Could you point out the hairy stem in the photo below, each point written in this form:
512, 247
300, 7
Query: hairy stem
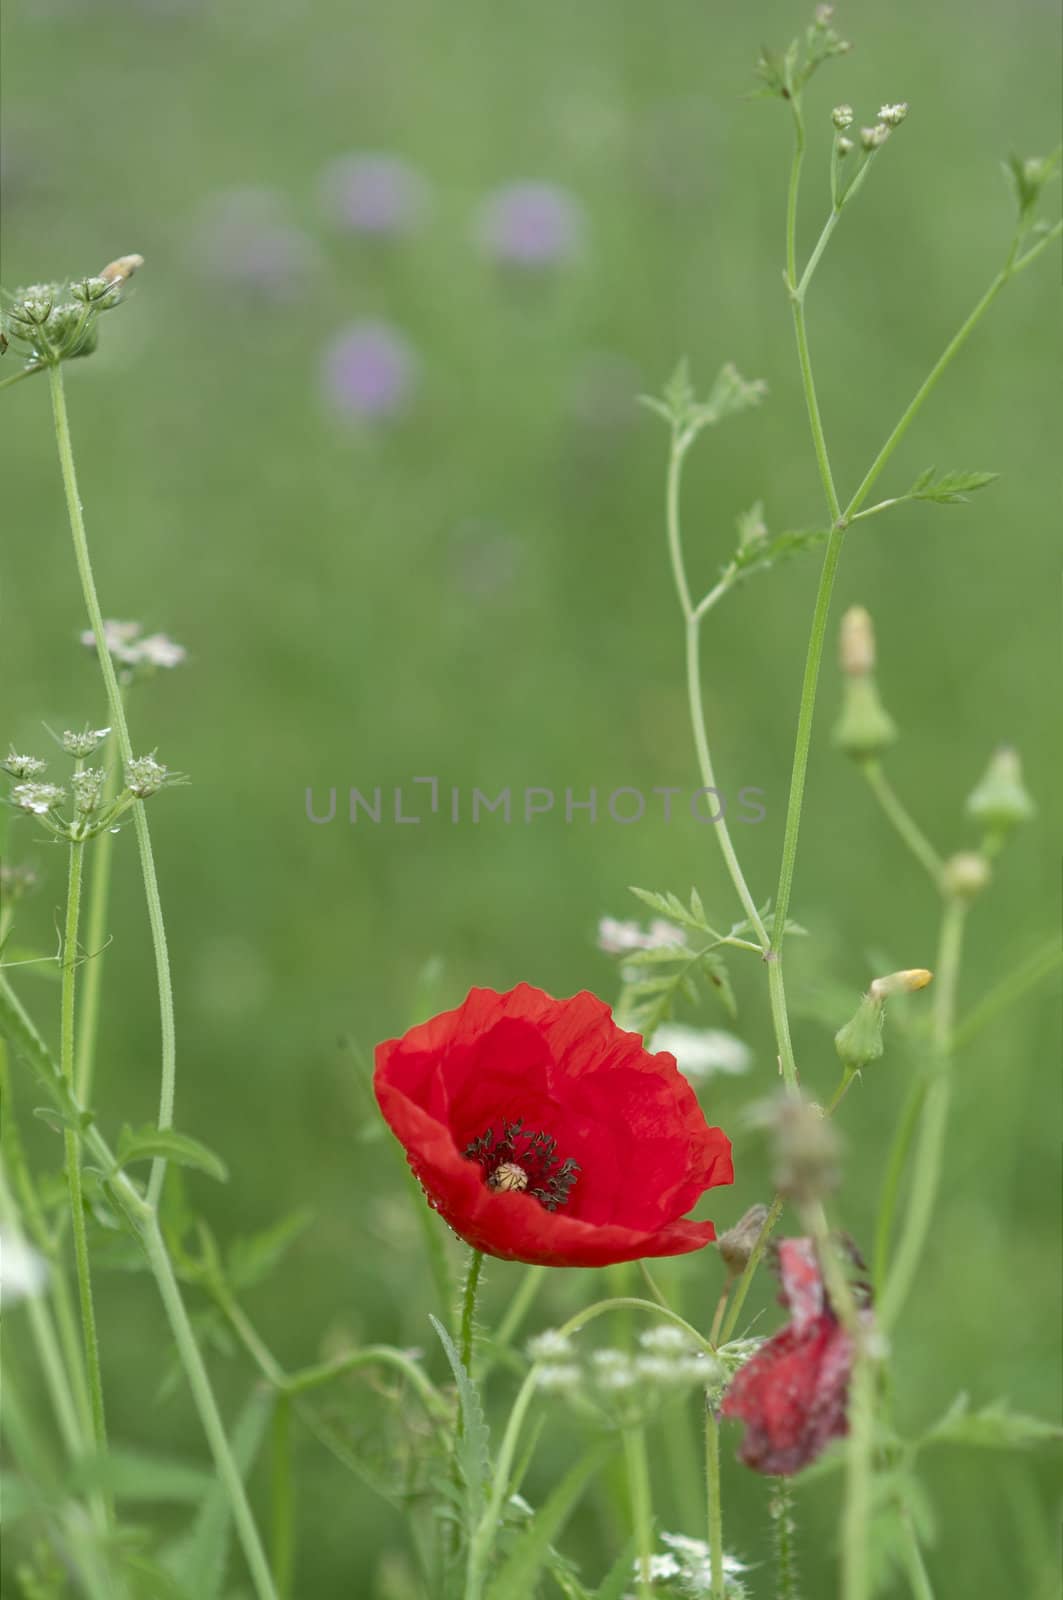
468, 1308
638, 1478
95, 939
121, 727
715, 1502
72, 1147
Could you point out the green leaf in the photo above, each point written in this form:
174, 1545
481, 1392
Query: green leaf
951, 489
254, 1258
720, 978
1028, 177
37, 963
58, 1121
757, 555
200, 1557
672, 909
992, 1428
617, 1580
130, 1475
473, 1454
144, 1144
517, 1575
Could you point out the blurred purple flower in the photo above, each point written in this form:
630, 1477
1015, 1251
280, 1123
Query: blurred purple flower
369, 371
245, 242
374, 194
531, 225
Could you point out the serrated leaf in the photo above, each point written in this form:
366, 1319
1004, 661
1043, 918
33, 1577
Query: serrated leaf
148, 1142
254, 1258
198, 1560
517, 1576
721, 980
473, 1448
951, 489
672, 909
993, 1428
760, 554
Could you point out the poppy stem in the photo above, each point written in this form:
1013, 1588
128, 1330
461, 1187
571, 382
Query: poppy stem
715, 1501
638, 1476
468, 1308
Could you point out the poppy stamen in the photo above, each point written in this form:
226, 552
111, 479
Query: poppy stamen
521, 1160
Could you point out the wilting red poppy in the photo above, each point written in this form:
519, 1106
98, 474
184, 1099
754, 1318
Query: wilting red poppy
792, 1394
542, 1132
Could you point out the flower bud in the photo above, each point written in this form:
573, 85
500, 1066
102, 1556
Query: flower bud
865, 728
842, 117
856, 643
843, 146
122, 270
906, 982
1000, 799
737, 1244
966, 874
872, 138
37, 798
860, 1040
893, 116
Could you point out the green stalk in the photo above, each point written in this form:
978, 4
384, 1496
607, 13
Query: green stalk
742, 1287
20, 1029
206, 1405
891, 1183
73, 1161
903, 822
95, 940
856, 1581
926, 1175
715, 1502
468, 1308
283, 1498
638, 1477
121, 728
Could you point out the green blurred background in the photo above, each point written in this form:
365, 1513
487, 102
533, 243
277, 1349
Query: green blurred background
480, 591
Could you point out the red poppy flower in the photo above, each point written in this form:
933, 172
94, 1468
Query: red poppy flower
542, 1132
792, 1394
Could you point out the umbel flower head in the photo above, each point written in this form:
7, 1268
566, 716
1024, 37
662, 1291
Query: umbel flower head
542, 1132
792, 1394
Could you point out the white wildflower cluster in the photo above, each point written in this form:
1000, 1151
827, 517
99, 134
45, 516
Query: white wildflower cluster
88, 789
618, 938
80, 745
24, 766
620, 1387
685, 1568
842, 117
145, 776
23, 1270
38, 799
703, 1052
131, 648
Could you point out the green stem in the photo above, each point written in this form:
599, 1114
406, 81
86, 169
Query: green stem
95, 940
206, 1405
715, 1502
692, 619
73, 1160
519, 1306
638, 1477
283, 1498
857, 1509
1044, 961
926, 1174
903, 823
912, 1556
121, 728
17, 377
468, 1308
891, 1183
926, 388
742, 1287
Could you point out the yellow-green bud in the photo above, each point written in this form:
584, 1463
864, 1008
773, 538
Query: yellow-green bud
966, 874
865, 728
1000, 799
905, 982
860, 1040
